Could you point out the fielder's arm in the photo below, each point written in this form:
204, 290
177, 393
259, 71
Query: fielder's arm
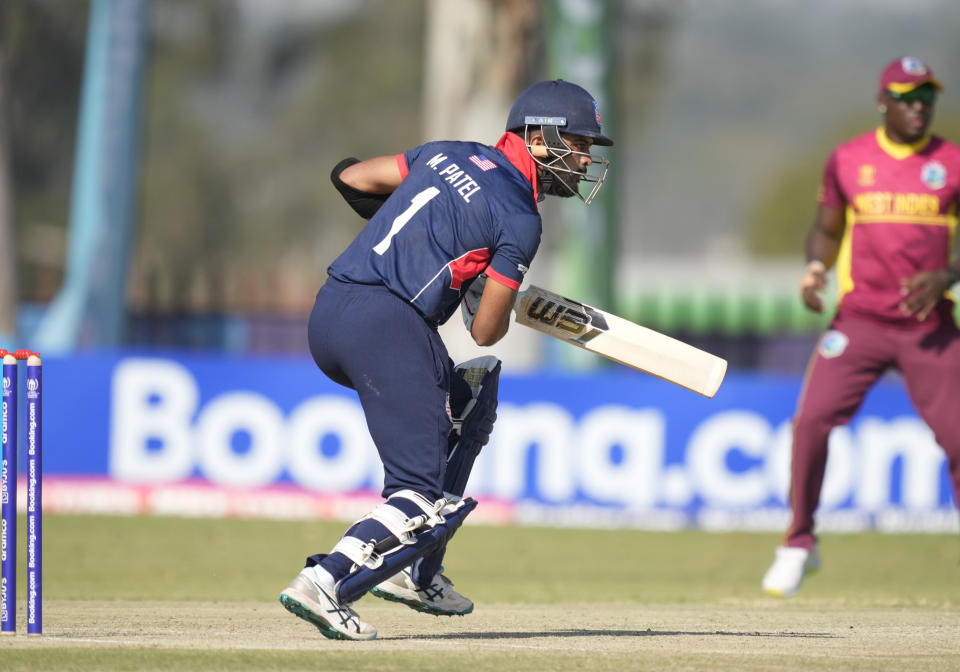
823, 245
925, 289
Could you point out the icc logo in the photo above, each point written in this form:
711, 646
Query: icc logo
6, 383
32, 385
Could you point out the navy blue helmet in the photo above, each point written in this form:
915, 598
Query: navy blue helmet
555, 108
558, 103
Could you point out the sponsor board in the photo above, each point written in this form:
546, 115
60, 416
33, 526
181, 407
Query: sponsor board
616, 448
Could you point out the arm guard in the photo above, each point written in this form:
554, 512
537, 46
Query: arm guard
364, 204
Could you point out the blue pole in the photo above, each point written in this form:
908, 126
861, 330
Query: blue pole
8, 499
90, 307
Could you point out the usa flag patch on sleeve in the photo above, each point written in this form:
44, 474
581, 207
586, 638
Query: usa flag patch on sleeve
482, 162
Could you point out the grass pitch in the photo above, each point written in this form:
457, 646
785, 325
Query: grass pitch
183, 594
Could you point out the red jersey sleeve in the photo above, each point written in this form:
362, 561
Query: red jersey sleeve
402, 165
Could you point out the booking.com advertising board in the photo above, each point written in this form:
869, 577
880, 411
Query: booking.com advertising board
197, 435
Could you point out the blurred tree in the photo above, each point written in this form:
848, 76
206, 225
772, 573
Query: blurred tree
9, 261
785, 207
43, 44
642, 35
247, 113
499, 52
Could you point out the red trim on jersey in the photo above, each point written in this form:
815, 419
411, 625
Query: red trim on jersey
502, 279
468, 267
402, 165
515, 149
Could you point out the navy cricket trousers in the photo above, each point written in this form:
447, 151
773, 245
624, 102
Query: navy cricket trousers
367, 338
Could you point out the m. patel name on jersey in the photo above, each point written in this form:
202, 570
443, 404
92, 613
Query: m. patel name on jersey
460, 180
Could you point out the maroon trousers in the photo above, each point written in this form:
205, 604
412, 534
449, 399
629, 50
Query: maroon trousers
849, 359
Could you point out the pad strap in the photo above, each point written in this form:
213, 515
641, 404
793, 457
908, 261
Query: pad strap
360, 553
364, 577
399, 524
432, 511
366, 546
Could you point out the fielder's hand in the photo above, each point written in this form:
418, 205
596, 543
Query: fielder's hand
471, 301
923, 291
814, 281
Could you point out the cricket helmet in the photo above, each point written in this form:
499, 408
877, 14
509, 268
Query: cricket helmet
554, 107
558, 103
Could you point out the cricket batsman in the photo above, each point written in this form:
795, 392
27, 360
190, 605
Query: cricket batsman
440, 215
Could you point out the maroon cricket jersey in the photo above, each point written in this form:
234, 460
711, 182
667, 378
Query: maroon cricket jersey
900, 205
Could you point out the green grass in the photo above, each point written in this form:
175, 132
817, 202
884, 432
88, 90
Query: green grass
666, 601
152, 558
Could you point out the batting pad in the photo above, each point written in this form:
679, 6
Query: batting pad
353, 586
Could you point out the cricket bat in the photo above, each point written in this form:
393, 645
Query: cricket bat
620, 340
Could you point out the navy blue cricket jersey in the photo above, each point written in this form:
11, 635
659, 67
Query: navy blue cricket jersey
463, 208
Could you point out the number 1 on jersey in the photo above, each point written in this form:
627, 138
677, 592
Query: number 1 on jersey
401, 220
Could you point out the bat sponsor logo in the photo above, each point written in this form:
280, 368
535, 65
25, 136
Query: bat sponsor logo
579, 323
620, 340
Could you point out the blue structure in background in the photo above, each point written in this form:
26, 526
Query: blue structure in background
91, 306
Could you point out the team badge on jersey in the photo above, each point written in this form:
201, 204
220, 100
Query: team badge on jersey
934, 175
867, 175
833, 344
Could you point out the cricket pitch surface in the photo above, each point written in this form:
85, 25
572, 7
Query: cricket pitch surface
742, 635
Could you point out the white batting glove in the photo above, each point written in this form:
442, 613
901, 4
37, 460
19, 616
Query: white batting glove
471, 301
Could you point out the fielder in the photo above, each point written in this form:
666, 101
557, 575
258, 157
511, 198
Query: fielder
887, 220
440, 215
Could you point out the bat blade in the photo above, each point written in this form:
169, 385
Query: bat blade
620, 340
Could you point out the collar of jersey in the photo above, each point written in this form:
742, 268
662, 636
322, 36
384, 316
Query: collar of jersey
898, 151
515, 149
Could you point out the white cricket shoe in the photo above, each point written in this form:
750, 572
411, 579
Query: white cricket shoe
790, 566
439, 598
312, 597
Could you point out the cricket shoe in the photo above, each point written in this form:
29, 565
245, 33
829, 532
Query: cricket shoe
312, 597
438, 598
790, 566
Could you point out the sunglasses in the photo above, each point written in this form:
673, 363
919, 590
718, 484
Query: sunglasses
926, 94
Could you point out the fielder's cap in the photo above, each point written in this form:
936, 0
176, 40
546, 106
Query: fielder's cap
558, 103
906, 74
